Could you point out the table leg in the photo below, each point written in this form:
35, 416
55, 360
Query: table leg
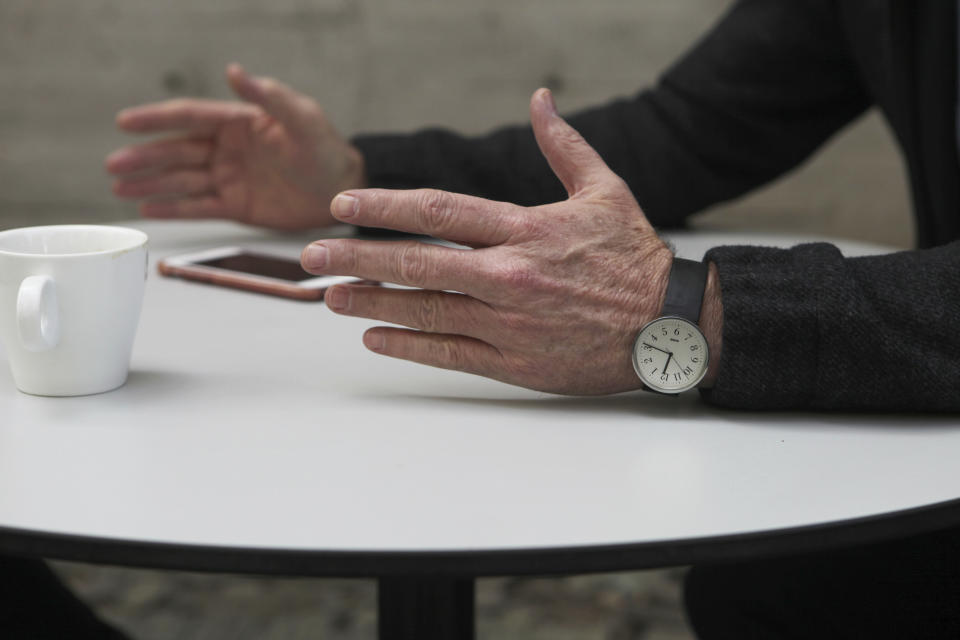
425, 608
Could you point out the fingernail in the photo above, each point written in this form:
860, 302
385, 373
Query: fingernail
548, 98
344, 206
315, 257
374, 340
338, 298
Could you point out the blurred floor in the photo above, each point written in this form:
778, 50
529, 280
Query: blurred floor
156, 605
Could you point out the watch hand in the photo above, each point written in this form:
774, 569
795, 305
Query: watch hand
653, 347
667, 363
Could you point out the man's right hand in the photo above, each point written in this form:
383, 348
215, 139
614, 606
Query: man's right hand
273, 160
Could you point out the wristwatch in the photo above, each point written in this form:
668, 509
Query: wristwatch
670, 354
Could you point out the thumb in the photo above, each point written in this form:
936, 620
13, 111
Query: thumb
293, 109
573, 160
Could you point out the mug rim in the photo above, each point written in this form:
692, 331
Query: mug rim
140, 237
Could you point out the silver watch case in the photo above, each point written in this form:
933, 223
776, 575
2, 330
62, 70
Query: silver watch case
693, 381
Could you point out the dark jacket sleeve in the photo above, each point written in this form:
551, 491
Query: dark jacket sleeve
808, 328
750, 101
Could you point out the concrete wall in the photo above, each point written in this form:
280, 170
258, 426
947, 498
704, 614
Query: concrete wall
67, 66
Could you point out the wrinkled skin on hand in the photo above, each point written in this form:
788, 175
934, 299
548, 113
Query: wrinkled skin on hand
550, 297
274, 160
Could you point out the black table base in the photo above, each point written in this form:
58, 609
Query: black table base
430, 595
425, 608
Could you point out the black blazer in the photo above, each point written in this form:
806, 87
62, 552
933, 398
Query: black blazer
752, 99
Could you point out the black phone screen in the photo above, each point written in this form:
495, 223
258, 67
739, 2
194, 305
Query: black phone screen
261, 265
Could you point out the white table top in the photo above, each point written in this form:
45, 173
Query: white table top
261, 423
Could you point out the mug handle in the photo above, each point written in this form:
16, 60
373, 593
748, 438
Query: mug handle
38, 314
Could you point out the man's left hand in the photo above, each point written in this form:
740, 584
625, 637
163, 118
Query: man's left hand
550, 297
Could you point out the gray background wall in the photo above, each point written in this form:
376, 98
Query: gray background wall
67, 67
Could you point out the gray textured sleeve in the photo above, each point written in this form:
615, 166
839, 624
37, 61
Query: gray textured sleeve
807, 328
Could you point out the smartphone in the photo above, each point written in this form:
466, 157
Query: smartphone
260, 272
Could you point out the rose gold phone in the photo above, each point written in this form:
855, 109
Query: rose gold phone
243, 269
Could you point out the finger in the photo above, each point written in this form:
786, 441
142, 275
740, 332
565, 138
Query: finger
574, 161
203, 207
162, 154
459, 353
171, 183
452, 216
433, 311
413, 264
186, 114
293, 109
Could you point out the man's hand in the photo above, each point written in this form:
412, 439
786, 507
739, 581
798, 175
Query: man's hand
273, 161
550, 298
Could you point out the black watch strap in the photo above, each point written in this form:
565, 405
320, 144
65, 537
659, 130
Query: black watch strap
685, 288
684, 298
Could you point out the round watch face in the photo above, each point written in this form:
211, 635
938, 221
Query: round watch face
671, 355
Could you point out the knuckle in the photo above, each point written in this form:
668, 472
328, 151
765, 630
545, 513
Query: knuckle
436, 210
412, 265
448, 352
372, 203
566, 135
430, 314
354, 259
569, 138
345, 256
513, 276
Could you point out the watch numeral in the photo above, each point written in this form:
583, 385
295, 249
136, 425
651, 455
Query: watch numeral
694, 347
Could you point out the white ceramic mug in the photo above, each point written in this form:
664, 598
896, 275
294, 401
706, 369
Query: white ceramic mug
70, 298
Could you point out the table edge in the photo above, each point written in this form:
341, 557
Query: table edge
487, 562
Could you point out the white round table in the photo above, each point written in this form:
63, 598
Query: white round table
257, 434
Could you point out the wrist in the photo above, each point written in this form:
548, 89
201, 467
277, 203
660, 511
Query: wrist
711, 323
